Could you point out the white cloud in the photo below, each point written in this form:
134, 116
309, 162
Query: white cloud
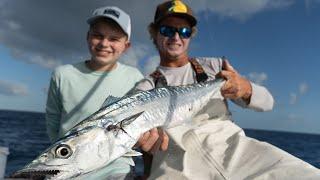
293, 98
294, 118
150, 64
258, 78
303, 88
13, 89
309, 4
46, 62
240, 10
135, 54
13, 25
50, 33
139, 55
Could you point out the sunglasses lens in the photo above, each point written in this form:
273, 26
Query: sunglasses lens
185, 32
168, 31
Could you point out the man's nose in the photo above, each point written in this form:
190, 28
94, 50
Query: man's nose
176, 36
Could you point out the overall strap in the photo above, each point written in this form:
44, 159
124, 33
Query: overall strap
201, 76
159, 79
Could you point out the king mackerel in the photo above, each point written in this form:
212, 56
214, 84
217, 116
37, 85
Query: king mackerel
112, 131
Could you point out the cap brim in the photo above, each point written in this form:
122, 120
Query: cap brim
95, 18
91, 20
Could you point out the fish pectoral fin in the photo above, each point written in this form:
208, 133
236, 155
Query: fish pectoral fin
110, 100
130, 119
132, 153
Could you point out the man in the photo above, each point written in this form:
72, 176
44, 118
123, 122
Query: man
212, 147
78, 90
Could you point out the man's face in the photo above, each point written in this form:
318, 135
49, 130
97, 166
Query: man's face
106, 42
176, 46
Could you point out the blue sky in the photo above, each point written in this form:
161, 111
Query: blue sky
272, 42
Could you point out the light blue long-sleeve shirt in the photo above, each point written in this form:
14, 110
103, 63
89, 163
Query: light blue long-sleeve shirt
76, 92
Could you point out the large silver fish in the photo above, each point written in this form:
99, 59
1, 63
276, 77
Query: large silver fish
112, 131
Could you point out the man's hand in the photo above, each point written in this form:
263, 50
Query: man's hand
236, 86
154, 140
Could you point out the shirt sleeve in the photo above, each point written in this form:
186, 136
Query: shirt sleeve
144, 85
261, 99
53, 110
139, 76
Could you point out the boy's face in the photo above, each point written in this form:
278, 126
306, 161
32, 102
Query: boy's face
106, 42
176, 46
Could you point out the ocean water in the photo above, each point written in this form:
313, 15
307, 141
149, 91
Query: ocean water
25, 135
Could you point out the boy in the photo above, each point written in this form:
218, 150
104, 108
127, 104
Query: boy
78, 90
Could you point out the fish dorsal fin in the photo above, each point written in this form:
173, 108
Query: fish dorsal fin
110, 100
132, 153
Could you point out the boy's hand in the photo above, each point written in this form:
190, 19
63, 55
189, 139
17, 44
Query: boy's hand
236, 86
154, 140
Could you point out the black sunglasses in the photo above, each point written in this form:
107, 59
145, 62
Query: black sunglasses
168, 31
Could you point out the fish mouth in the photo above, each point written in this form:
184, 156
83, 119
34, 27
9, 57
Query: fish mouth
35, 174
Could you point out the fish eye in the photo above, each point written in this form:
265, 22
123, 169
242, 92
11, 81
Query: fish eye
63, 151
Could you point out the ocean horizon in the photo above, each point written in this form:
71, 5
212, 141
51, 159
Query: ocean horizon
273, 130
24, 133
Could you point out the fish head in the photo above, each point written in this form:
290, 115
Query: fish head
71, 156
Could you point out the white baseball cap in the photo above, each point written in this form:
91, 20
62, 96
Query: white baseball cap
114, 13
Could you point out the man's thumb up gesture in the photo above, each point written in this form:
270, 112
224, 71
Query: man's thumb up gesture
236, 86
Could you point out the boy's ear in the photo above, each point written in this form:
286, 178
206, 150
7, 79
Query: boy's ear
128, 45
